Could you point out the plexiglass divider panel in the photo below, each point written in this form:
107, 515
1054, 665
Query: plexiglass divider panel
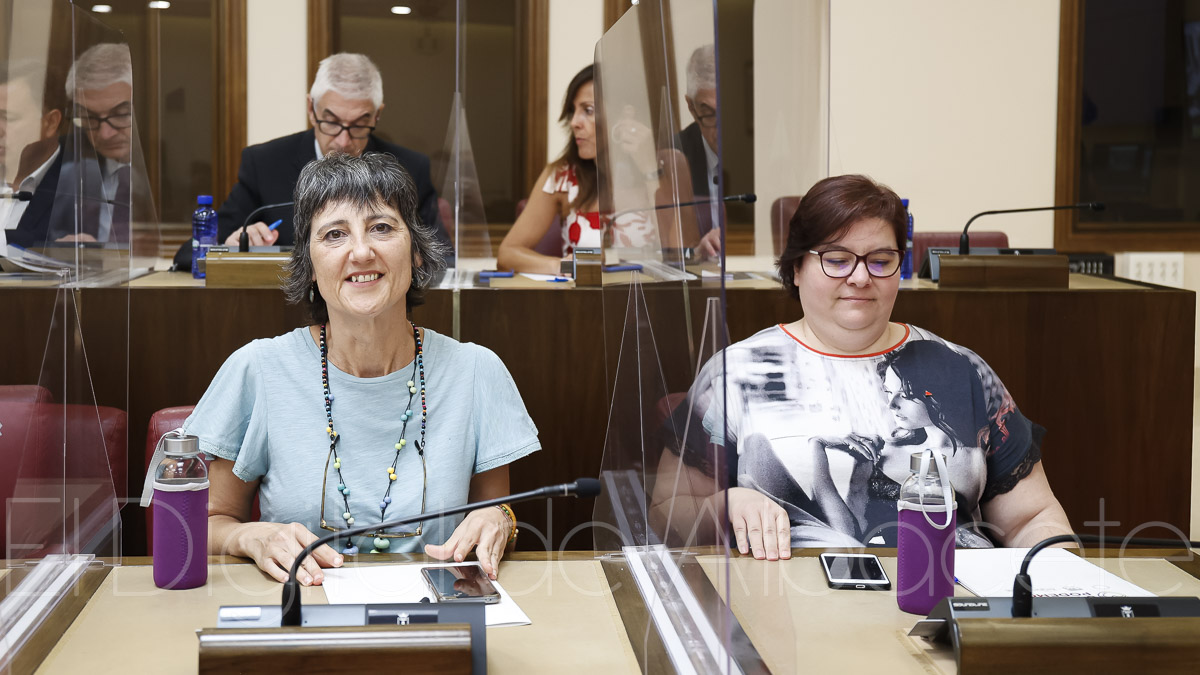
663, 500
791, 113
669, 464
87, 218
460, 187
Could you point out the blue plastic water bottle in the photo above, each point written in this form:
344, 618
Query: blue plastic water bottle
906, 265
204, 232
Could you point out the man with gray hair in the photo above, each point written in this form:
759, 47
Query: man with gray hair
96, 163
344, 106
698, 142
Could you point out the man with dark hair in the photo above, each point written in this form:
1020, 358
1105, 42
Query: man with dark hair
30, 154
344, 105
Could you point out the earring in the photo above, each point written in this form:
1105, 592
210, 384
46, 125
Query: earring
311, 291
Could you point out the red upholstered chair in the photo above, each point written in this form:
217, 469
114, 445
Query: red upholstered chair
37, 455
782, 210
30, 393
923, 240
160, 423
551, 243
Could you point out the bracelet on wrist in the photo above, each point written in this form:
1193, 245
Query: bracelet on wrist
512, 520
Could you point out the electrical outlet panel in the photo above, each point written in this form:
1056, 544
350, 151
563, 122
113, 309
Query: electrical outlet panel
1165, 269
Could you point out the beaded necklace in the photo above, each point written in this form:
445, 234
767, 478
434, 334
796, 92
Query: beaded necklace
380, 543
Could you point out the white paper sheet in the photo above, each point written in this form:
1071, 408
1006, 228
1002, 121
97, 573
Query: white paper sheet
380, 584
1056, 572
544, 277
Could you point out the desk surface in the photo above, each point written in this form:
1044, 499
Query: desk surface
790, 615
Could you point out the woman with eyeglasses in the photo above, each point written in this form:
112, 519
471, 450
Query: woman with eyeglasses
803, 409
362, 416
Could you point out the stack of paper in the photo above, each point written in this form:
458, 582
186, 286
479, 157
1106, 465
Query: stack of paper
1055, 572
382, 584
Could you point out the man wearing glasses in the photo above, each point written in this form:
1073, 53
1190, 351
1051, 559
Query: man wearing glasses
698, 143
344, 106
100, 84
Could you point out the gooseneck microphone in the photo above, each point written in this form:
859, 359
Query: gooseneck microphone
582, 487
747, 197
23, 196
1022, 598
244, 240
964, 241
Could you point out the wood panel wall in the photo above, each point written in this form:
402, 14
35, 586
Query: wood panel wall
1108, 372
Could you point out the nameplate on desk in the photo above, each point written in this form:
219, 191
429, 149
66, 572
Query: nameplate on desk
1003, 271
228, 269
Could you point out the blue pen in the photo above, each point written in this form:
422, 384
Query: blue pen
558, 279
275, 224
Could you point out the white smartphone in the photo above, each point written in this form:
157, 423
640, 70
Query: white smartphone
856, 571
461, 583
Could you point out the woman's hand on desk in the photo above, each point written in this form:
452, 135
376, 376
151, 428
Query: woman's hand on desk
274, 547
759, 524
486, 531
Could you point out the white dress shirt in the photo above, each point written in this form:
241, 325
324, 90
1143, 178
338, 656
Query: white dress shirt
11, 210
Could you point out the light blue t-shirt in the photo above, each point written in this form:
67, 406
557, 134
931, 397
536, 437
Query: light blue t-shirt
265, 411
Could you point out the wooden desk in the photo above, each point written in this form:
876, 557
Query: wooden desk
792, 618
1106, 366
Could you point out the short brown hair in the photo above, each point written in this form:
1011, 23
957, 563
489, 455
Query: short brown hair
374, 178
828, 211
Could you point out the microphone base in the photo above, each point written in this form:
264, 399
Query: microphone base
246, 622
1105, 634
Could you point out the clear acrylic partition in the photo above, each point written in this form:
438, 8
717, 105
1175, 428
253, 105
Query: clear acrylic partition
456, 177
83, 234
663, 86
790, 127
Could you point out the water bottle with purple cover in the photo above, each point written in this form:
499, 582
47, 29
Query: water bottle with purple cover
180, 515
925, 542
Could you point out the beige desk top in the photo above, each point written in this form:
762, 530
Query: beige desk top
798, 623
130, 626
793, 619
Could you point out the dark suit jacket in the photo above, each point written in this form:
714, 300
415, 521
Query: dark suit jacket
691, 144
268, 175
33, 228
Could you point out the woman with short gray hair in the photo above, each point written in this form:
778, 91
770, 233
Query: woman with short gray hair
362, 416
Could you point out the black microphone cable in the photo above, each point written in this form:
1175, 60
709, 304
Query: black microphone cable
1022, 600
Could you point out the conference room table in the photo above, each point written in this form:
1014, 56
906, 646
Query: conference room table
586, 616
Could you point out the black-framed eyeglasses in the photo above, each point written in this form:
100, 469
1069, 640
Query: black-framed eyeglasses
839, 264
708, 121
339, 510
118, 121
331, 128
